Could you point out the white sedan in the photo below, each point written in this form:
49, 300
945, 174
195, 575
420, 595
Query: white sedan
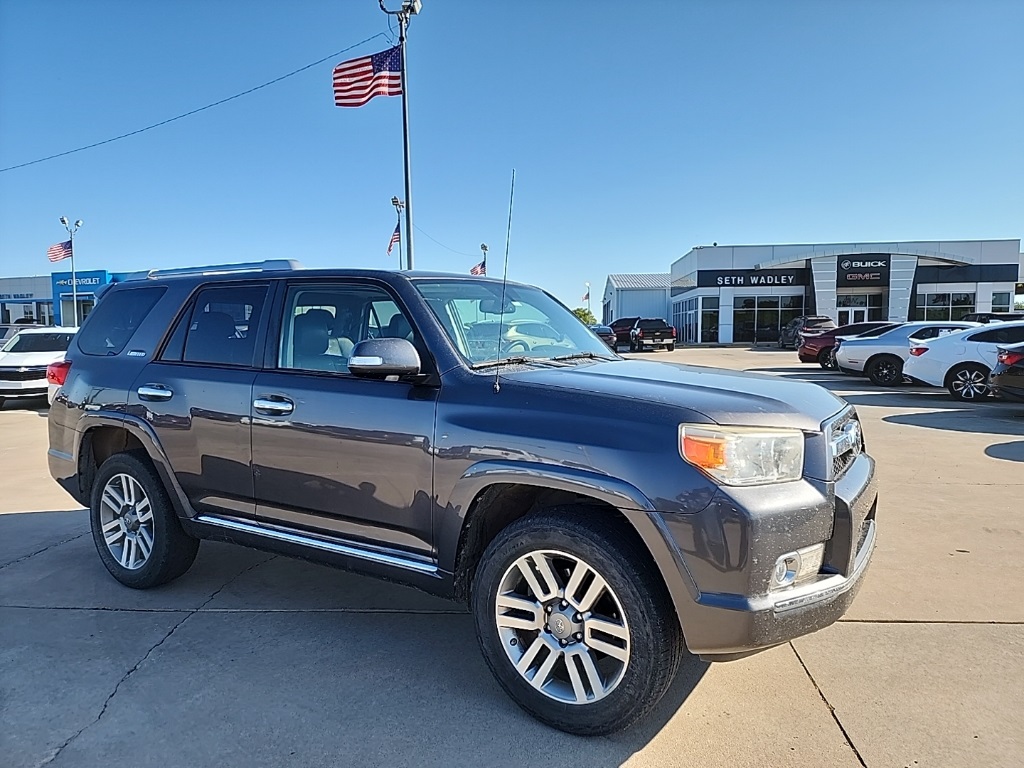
961, 361
24, 357
881, 357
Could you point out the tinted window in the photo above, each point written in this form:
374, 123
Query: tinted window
39, 342
1011, 335
877, 331
322, 325
222, 328
115, 319
652, 325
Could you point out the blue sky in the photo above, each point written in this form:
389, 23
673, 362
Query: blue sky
637, 131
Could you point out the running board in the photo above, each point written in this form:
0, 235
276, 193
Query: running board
316, 543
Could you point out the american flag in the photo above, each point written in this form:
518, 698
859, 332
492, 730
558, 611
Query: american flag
586, 296
358, 80
479, 269
59, 251
396, 237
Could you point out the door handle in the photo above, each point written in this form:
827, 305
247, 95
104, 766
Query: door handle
154, 392
278, 407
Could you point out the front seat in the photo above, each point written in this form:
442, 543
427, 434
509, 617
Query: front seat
398, 328
310, 339
210, 341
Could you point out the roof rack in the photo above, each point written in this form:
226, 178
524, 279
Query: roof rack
270, 265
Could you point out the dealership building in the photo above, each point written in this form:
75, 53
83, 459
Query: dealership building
48, 299
743, 293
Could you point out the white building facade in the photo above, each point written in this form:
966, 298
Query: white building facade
635, 295
728, 294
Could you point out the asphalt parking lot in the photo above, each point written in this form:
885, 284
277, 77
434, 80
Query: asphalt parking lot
256, 660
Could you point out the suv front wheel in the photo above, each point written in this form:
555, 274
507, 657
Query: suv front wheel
572, 624
134, 526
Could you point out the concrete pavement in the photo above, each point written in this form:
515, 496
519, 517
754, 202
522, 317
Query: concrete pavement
255, 660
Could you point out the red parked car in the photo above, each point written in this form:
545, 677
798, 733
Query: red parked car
819, 347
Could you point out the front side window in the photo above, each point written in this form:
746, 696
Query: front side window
323, 324
529, 323
222, 327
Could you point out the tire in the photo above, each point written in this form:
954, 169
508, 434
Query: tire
670, 347
827, 359
781, 343
2, 401
968, 382
632, 346
885, 370
122, 478
619, 688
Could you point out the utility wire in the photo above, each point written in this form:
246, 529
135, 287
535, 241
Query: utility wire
194, 111
471, 255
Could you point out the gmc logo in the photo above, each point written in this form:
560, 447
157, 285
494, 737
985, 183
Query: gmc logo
866, 276
862, 264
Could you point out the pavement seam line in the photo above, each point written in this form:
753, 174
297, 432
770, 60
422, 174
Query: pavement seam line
130, 672
104, 609
23, 558
831, 709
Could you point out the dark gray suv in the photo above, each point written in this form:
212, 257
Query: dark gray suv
600, 515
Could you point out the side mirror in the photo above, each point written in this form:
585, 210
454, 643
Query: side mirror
384, 359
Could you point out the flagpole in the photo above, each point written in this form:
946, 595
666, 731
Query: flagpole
74, 282
403, 22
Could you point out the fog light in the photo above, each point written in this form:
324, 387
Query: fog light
794, 567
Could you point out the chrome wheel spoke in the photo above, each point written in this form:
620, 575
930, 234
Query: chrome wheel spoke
114, 535
112, 498
126, 521
129, 489
144, 510
145, 543
127, 561
582, 625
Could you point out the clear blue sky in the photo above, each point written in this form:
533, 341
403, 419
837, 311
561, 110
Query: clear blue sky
638, 129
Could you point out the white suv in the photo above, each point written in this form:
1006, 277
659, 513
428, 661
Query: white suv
961, 361
881, 357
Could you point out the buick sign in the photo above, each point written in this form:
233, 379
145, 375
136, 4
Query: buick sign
869, 270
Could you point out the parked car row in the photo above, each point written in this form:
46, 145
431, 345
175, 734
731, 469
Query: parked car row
970, 359
640, 333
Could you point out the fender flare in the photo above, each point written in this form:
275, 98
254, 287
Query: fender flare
638, 510
144, 433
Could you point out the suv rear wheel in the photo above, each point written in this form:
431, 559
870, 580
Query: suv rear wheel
572, 623
134, 526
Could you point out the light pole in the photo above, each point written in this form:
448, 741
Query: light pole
399, 205
409, 8
72, 228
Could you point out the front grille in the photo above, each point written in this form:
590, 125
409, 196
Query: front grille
22, 374
841, 450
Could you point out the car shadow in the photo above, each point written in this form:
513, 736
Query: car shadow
1013, 451
37, 405
988, 418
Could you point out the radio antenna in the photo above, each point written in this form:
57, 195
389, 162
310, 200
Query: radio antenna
504, 280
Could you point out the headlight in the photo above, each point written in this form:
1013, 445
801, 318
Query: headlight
744, 455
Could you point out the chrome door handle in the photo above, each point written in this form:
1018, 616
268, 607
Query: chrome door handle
154, 392
273, 407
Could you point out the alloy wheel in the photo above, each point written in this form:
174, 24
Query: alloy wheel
969, 384
126, 521
887, 372
562, 627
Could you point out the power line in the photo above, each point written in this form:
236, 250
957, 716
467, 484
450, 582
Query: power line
471, 255
194, 111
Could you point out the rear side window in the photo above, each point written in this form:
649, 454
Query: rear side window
115, 319
221, 329
1011, 335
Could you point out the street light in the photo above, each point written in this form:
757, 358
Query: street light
72, 228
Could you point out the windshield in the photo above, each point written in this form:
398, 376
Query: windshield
532, 324
38, 342
652, 325
877, 331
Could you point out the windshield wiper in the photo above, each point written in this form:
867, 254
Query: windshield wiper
583, 356
505, 361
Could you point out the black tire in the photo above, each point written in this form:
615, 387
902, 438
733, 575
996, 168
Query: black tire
827, 359
2, 401
885, 370
613, 551
173, 551
632, 346
782, 344
968, 382
670, 347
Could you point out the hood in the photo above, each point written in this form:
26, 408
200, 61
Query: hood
29, 359
726, 397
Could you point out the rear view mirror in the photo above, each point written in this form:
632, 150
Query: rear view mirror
495, 307
384, 359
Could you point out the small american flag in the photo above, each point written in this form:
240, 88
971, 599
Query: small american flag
358, 80
59, 252
586, 296
479, 269
396, 237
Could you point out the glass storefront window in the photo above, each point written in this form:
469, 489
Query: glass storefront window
944, 306
758, 318
1001, 302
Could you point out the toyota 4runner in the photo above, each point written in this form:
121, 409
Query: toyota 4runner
600, 515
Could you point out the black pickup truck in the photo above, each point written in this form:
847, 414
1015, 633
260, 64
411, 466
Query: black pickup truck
600, 515
651, 333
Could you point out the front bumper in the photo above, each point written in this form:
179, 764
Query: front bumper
30, 388
734, 612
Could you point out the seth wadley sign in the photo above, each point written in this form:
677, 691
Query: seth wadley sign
710, 278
